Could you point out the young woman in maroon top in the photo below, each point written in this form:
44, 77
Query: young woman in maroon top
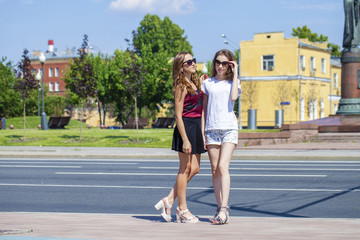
188, 137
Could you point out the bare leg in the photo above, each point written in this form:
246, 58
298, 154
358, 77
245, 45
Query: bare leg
226, 153
214, 154
184, 175
195, 168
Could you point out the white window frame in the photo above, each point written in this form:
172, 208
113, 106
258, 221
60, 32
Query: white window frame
56, 72
302, 109
51, 86
323, 65
336, 80
315, 105
313, 63
50, 72
265, 63
311, 109
302, 62
57, 86
322, 108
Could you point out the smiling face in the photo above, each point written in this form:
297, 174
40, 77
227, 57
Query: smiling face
188, 65
221, 64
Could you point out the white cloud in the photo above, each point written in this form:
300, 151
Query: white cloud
157, 6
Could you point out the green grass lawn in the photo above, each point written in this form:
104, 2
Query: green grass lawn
70, 136
94, 137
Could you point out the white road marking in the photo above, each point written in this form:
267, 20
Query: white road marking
75, 162
34, 166
175, 174
203, 161
268, 169
191, 188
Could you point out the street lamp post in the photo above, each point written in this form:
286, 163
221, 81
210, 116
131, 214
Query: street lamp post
227, 42
38, 77
44, 125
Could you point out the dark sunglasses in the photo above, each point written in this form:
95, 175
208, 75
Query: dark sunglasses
190, 62
224, 64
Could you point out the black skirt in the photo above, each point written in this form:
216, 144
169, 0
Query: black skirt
193, 132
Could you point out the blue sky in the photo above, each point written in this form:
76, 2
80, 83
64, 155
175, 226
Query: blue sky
31, 23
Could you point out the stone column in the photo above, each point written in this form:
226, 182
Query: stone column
350, 82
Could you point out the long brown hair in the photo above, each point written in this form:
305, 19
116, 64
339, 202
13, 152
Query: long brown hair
179, 76
230, 56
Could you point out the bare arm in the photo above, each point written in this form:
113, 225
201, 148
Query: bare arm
203, 118
179, 105
235, 85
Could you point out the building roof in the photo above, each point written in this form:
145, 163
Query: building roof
335, 61
68, 53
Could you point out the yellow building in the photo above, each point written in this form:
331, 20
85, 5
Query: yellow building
292, 74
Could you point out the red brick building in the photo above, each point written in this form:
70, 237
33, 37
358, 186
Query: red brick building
55, 67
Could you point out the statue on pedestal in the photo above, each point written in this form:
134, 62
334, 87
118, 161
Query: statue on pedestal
352, 24
350, 68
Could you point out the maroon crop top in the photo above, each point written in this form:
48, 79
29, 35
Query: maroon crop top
193, 105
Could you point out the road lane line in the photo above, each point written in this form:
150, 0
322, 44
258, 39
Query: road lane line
34, 166
267, 169
192, 188
175, 174
78, 163
203, 161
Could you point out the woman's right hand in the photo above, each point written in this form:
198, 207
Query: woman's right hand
187, 147
203, 78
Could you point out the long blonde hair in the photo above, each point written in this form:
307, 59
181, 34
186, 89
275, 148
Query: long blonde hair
230, 56
178, 75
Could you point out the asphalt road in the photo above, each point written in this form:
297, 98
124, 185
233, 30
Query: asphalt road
260, 188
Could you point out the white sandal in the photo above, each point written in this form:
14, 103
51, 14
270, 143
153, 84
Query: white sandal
180, 218
164, 204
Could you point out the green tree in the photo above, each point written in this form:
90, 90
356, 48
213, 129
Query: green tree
118, 90
133, 80
335, 49
157, 41
26, 82
105, 75
305, 32
80, 79
55, 105
10, 99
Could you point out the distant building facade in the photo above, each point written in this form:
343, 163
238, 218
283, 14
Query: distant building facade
292, 74
55, 67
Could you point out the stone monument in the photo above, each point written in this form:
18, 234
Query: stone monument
350, 59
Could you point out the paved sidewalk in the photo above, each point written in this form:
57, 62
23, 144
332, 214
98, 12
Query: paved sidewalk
115, 226
302, 151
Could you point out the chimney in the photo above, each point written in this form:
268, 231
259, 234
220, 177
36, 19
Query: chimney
51, 45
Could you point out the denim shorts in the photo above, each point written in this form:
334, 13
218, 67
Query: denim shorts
220, 136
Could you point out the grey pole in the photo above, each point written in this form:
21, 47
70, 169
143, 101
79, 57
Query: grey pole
38, 77
44, 124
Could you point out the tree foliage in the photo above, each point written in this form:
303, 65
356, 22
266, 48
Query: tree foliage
81, 80
157, 41
26, 81
10, 99
305, 32
106, 76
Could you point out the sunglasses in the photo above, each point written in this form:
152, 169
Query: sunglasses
190, 62
224, 64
